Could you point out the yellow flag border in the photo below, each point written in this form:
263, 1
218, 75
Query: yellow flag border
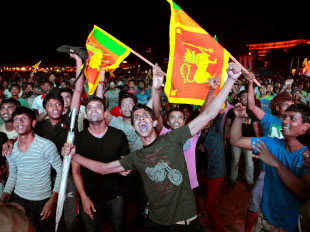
92, 87
167, 89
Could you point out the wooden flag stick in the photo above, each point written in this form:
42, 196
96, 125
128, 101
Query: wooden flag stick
230, 56
146, 61
244, 69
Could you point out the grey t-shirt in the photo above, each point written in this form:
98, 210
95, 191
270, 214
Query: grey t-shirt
134, 141
30, 171
163, 170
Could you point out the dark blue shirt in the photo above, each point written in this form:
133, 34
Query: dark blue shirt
214, 146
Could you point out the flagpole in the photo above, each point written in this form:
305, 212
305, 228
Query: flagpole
65, 172
146, 60
230, 56
243, 69
291, 67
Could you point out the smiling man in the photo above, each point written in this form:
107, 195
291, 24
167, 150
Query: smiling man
7, 107
161, 162
30, 164
56, 127
67, 95
286, 178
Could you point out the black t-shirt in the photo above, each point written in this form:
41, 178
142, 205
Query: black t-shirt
57, 133
247, 123
3, 139
110, 147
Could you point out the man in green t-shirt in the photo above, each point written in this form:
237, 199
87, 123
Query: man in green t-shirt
161, 161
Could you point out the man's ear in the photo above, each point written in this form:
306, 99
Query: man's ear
105, 113
155, 123
169, 122
34, 122
306, 127
277, 108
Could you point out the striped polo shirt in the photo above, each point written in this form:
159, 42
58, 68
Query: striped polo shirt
30, 171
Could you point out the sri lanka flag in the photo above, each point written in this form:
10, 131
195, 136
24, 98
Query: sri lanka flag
36, 66
305, 68
194, 57
104, 51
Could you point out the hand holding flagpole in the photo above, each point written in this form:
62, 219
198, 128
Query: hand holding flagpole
65, 171
245, 71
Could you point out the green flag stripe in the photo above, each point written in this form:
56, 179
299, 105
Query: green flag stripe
176, 7
109, 43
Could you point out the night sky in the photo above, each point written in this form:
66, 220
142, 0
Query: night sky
31, 33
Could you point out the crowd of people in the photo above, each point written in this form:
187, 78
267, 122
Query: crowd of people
133, 146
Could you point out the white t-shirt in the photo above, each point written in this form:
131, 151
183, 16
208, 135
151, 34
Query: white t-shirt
10, 134
82, 115
37, 104
8, 94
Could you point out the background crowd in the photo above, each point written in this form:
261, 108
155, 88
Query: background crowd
220, 162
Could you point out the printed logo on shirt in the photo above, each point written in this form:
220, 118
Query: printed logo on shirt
275, 131
247, 121
187, 145
162, 170
162, 173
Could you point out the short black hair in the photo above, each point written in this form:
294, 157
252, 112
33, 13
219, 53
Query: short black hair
141, 81
66, 90
66, 82
302, 109
47, 81
10, 100
15, 85
141, 106
24, 110
29, 83
123, 95
241, 92
175, 109
184, 106
95, 98
52, 95
277, 100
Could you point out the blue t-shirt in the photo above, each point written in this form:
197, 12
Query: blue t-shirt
143, 99
279, 205
272, 126
265, 102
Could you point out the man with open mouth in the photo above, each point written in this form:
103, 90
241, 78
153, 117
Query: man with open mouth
286, 178
161, 161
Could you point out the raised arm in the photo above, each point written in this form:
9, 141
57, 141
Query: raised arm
213, 83
236, 137
258, 112
211, 111
156, 92
99, 93
78, 91
288, 83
